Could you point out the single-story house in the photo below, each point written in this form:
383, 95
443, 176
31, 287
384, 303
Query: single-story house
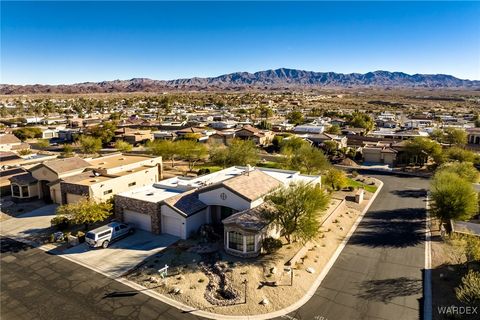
180, 205
380, 155
9, 142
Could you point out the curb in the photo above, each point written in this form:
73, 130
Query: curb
279, 313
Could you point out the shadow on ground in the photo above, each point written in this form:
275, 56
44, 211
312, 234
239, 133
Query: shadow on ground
8, 245
387, 289
410, 193
398, 228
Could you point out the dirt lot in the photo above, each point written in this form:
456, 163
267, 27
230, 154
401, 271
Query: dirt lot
187, 282
448, 267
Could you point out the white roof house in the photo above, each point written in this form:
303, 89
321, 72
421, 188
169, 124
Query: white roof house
180, 205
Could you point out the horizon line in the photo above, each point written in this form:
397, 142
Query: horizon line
233, 72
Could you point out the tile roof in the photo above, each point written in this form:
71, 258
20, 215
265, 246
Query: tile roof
6, 156
24, 178
252, 185
8, 138
250, 219
65, 165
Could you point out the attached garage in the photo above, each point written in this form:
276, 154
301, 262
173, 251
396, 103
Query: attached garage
139, 220
173, 226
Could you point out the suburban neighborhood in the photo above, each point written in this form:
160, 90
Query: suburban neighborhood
240, 160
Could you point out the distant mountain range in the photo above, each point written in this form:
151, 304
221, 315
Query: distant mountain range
270, 79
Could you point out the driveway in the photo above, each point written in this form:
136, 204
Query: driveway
28, 225
120, 256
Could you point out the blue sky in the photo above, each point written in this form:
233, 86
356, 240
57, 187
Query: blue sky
68, 42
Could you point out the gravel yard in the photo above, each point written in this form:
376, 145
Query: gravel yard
268, 283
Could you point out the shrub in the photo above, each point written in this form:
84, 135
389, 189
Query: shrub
354, 173
81, 236
271, 245
351, 188
203, 171
469, 290
60, 222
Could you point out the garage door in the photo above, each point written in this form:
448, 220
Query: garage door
74, 198
140, 220
172, 226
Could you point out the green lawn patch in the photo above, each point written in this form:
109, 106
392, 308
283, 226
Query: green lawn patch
270, 164
211, 168
358, 184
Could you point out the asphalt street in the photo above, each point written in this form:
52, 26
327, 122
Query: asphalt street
36, 285
377, 276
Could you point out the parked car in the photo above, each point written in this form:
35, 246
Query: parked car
104, 235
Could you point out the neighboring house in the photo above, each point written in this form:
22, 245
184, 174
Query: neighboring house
220, 125
202, 133
398, 134
42, 180
260, 137
224, 137
354, 131
164, 135
67, 135
10, 142
309, 128
380, 155
48, 133
133, 136
68, 180
473, 136
318, 140
180, 206
281, 127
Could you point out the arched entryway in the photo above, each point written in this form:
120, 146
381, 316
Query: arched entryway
218, 213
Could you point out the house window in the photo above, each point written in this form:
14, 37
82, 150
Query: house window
25, 191
107, 191
235, 241
15, 190
250, 243
131, 184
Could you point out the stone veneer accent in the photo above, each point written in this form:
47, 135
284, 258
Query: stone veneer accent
149, 208
73, 189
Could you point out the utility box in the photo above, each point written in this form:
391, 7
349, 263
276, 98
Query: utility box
359, 195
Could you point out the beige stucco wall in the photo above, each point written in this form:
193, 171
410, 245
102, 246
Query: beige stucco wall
55, 193
120, 184
232, 200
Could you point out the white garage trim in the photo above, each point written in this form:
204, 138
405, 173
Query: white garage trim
140, 220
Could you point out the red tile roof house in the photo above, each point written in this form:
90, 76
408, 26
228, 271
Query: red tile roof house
233, 198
